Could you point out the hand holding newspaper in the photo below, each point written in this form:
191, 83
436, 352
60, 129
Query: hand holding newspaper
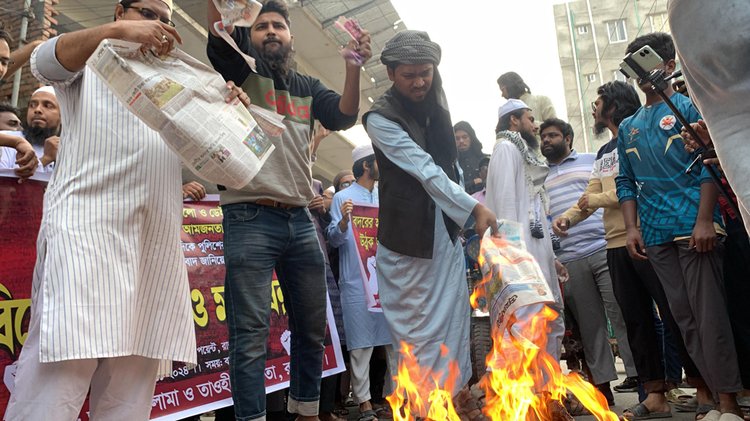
516, 280
183, 100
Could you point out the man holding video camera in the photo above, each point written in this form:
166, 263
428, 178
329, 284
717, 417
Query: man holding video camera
681, 232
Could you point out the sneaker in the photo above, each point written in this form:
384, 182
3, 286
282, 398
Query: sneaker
630, 384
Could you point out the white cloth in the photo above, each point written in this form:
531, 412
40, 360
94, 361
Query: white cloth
715, 64
363, 328
122, 388
8, 159
360, 372
109, 271
426, 301
508, 197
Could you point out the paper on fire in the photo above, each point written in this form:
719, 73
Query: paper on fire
183, 100
516, 280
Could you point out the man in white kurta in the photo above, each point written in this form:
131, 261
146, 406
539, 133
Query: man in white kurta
366, 329
515, 191
110, 299
420, 264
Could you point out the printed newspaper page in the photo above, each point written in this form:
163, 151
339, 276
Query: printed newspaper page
516, 278
183, 100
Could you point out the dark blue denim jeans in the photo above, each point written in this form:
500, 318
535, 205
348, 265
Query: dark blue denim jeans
257, 240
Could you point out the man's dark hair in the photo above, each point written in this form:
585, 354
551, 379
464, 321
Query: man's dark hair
5, 35
7, 108
476, 146
661, 43
504, 121
358, 168
276, 6
619, 101
514, 84
562, 125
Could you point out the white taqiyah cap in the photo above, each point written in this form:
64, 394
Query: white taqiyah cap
47, 89
510, 106
362, 151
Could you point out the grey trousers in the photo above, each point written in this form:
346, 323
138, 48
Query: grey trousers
591, 299
693, 283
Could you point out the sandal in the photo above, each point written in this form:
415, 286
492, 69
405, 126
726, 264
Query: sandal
368, 415
641, 412
575, 407
384, 412
678, 396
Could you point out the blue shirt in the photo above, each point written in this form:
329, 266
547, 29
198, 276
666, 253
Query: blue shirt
652, 171
565, 184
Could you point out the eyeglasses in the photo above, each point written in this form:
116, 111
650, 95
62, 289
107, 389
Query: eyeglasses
345, 184
593, 106
150, 15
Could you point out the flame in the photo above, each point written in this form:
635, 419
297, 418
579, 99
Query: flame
522, 383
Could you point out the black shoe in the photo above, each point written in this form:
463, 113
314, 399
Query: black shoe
607, 392
630, 384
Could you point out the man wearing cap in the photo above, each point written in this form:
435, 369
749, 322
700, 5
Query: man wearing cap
420, 263
42, 131
365, 329
110, 299
515, 191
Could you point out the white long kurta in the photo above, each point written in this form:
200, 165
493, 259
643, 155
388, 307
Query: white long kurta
364, 328
508, 196
109, 263
715, 64
426, 301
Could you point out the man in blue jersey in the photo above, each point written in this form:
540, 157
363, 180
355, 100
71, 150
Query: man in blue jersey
681, 232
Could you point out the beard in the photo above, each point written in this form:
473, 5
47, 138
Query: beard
600, 127
530, 139
37, 135
277, 59
556, 152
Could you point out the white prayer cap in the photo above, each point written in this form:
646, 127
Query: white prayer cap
47, 89
510, 106
362, 151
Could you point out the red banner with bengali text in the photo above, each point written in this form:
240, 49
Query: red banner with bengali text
364, 222
188, 391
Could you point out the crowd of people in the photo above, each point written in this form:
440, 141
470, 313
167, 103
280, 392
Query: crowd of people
625, 238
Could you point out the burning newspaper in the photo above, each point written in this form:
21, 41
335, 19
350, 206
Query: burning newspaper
183, 100
514, 277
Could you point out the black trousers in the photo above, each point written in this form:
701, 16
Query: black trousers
737, 285
636, 288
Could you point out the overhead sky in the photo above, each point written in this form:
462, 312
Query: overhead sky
482, 39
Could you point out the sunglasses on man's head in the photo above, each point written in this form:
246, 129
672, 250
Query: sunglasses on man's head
150, 14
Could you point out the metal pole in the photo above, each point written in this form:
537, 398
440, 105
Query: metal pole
577, 71
21, 43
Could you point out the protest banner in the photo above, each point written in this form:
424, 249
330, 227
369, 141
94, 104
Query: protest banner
186, 392
364, 222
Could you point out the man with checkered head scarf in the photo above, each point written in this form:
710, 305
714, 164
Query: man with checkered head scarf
420, 262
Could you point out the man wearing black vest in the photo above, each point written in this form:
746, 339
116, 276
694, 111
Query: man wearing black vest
420, 263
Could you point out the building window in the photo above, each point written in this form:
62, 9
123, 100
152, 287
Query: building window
617, 75
591, 77
659, 22
583, 29
617, 31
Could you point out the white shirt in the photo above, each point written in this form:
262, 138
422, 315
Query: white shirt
109, 262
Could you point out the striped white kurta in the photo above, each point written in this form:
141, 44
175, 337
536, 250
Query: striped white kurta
109, 263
